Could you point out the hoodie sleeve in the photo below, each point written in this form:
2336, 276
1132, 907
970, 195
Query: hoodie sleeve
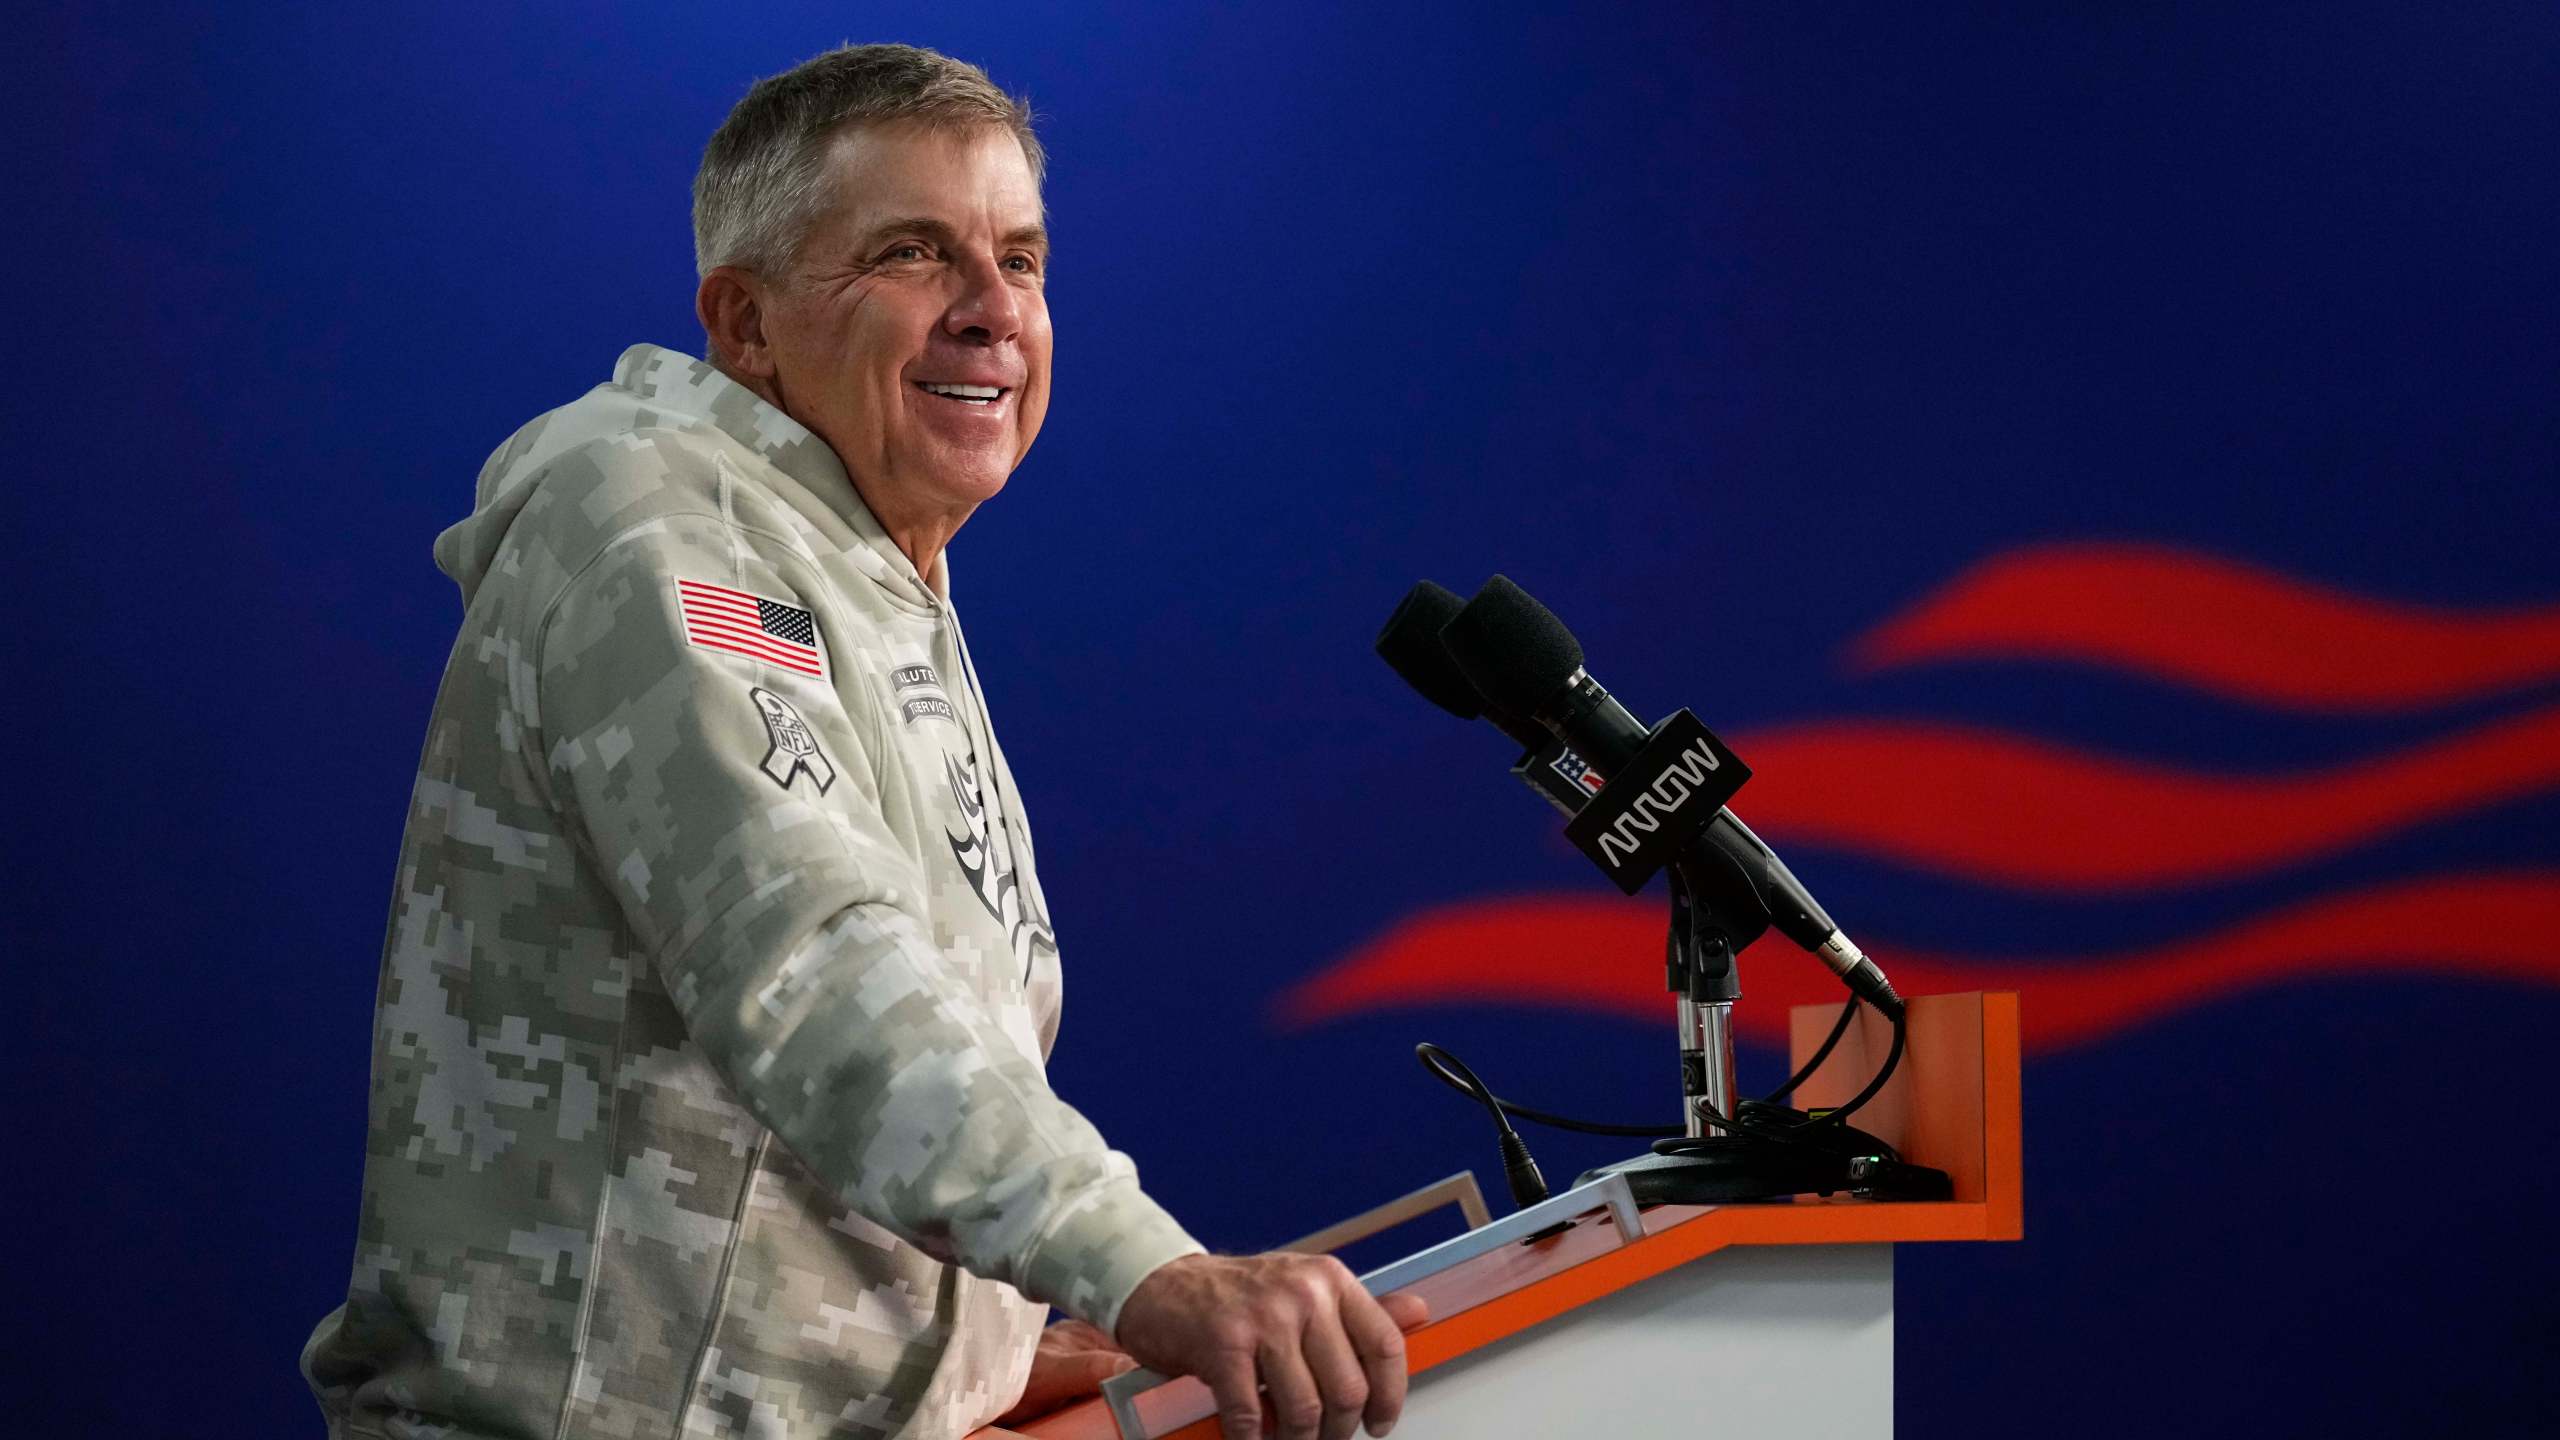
734, 807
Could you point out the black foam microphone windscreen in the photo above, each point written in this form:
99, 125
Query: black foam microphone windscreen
1515, 652
1410, 644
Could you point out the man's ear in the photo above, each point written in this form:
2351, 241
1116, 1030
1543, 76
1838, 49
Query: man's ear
730, 305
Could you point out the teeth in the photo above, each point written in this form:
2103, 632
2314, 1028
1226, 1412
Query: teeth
964, 392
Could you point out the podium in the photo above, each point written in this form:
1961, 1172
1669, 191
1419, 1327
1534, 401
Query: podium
1768, 1319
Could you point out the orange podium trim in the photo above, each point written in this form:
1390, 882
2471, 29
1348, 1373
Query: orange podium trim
1953, 1104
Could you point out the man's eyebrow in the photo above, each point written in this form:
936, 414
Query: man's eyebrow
930, 229
1029, 237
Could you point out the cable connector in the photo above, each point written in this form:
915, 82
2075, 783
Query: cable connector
1528, 1187
1865, 980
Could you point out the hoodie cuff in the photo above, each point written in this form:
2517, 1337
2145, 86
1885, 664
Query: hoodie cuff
1100, 1251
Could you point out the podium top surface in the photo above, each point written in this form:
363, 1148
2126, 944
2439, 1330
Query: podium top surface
1953, 1105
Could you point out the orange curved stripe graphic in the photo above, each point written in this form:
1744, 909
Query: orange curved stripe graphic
2217, 626
1605, 954
2023, 812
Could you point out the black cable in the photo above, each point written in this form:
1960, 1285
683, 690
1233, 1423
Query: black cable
1589, 1127
1449, 1070
1453, 1072
1838, 1115
1822, 1052
1519, 1171
1884, 1072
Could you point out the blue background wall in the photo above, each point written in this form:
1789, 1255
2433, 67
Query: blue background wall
1732, 332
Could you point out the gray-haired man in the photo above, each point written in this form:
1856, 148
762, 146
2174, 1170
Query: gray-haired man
708, 1074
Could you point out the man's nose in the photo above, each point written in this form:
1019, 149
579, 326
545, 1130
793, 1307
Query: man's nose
988, 309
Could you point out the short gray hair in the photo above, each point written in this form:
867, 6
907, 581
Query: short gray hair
763, 182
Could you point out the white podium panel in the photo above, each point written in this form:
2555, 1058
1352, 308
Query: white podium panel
1754, 1341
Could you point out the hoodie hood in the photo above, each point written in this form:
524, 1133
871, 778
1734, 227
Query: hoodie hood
654, 388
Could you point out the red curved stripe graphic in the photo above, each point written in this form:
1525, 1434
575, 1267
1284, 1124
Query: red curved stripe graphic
1605, 954
2001, 808
2218, 626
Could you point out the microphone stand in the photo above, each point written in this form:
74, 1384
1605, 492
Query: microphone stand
1699, 964
1714, 915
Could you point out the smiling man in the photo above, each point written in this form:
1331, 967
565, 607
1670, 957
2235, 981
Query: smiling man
708, 1080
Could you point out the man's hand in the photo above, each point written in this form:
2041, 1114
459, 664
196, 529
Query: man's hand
1299, 1325
1072, 1362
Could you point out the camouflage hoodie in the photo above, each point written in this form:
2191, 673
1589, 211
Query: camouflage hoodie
708, 1057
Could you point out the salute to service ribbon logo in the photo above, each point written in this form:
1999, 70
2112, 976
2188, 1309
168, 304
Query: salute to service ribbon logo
2004, 809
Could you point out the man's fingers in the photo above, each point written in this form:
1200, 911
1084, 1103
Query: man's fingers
1408, 1310
1291, 1330
1296, 1405
1092, 1367
1230, 1379
1340, 1375
1060, 1374
1372, 1328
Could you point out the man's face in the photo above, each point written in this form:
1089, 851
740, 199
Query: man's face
912, 334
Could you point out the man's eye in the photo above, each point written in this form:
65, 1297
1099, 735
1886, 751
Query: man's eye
1022, 264
905, 252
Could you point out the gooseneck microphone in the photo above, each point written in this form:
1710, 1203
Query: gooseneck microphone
1522, 662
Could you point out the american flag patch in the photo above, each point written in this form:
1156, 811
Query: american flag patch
719, 618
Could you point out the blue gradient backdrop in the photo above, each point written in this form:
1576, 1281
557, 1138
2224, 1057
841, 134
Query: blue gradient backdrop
1729, 330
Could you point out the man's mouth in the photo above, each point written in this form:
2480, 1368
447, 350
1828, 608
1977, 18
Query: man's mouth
965, 394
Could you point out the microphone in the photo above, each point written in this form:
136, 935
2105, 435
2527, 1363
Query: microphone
1522, 662
1410, 644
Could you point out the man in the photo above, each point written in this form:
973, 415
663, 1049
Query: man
708, 1073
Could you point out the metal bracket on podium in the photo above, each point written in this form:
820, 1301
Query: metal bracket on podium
1609, 1193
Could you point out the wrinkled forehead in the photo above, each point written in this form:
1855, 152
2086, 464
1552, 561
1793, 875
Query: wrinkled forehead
967, 176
